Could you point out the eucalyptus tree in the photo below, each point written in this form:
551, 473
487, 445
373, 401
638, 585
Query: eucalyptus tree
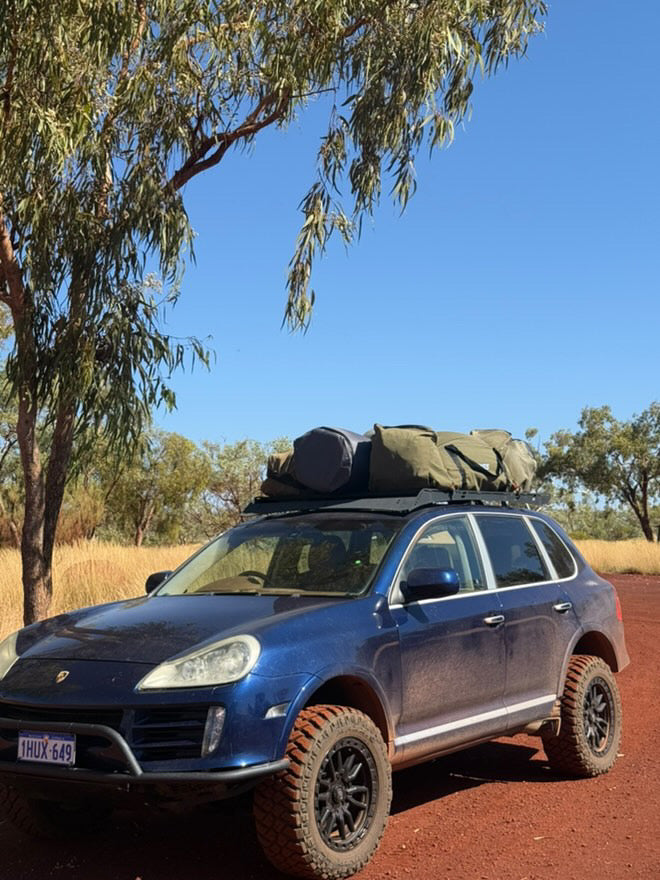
164, 477
237, 471
619, 460
107, 110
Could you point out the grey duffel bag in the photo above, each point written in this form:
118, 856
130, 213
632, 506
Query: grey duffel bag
324, 461
330, 460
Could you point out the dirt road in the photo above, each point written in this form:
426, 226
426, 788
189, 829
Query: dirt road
492, 813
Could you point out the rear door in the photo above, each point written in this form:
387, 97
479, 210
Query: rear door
452, 648
539, 619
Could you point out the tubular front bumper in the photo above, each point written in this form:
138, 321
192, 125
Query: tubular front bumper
129, 770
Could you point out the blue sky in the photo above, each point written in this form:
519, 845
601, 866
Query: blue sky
521, 284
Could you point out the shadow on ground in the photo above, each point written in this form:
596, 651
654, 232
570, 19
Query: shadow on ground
219, 840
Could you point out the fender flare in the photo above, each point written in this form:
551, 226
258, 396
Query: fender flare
579, 634
322, 677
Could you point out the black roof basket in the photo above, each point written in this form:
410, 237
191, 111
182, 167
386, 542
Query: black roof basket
394, 503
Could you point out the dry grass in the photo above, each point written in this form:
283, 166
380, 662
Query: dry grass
91, 573
636, 556
86, 574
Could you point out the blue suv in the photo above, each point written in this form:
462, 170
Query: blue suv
307, 653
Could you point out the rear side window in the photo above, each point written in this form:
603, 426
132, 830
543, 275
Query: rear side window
513, 552
557, 551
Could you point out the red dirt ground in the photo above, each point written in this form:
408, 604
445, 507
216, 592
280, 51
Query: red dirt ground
495, 812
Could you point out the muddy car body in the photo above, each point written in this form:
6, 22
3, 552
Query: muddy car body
308, 652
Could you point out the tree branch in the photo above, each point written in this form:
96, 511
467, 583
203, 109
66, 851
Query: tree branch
196, 163
9, 83
11, 442
10, 273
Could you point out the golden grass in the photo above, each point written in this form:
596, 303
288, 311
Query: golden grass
636, 556
90, 573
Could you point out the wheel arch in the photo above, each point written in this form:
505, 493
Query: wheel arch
597, 644
357, 693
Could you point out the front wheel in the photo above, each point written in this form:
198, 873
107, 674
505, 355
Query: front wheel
325, 815
591, 720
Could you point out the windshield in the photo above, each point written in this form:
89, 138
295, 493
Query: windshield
316, 554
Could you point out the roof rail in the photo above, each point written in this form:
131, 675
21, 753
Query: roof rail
394, 503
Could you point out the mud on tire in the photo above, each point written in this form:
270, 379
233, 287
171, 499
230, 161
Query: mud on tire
591, 720
325, 815
50, 819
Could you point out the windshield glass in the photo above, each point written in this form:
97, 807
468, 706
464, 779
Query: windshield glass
316, 554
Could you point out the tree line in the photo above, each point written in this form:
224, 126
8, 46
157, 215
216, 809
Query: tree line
603, 478
169, 491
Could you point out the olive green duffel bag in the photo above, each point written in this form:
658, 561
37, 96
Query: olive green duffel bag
409, 458
281, 479
517, 457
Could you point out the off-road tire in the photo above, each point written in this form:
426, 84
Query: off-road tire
50, 820
287, 805
587, 743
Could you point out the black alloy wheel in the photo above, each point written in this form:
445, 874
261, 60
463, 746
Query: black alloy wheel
598, 711
344, 794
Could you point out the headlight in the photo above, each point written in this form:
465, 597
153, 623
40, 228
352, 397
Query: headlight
8, 655
221, 663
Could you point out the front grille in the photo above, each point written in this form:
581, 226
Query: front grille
94, 751
168, 734
153, 734
109, 717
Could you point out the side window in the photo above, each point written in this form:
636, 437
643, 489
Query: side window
513, 552
556, 549
449, 543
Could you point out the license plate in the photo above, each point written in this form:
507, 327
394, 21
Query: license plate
47, 748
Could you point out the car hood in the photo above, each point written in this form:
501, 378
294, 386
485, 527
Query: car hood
152, 629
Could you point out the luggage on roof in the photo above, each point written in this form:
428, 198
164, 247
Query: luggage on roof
398, 461
517, 457
325, 461
328, 460
413, 458
280, 479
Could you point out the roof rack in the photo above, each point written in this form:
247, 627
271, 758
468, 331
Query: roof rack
394, 503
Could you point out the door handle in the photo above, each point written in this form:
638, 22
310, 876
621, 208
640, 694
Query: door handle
562, 607
494, 619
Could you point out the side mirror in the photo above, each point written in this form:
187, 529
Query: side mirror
430, 583
155, 580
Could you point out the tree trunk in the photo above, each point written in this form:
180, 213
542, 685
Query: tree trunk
645, 523
143, 523
643, 518
44, 492
15, 533
43, 502
37, 576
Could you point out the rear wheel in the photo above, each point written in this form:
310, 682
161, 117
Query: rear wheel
325, 815
51, 819
591, 720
